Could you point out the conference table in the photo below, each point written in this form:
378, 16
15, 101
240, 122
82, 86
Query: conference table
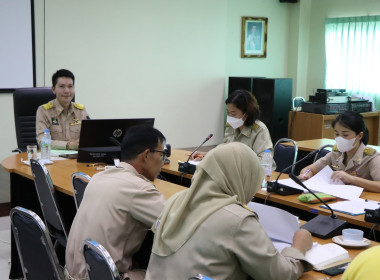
23, 194
289, 201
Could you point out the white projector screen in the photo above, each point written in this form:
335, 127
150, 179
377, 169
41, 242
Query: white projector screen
17, 44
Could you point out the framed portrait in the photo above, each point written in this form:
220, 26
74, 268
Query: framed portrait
254, 36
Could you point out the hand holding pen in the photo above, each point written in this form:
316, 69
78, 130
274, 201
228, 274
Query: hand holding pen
306, 175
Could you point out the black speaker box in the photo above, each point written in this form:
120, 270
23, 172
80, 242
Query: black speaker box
274, 97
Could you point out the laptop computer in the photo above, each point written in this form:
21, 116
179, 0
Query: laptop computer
100, 138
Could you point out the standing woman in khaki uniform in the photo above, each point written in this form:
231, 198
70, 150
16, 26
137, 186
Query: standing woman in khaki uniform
208, 228
243, 124
352, 161
61, 116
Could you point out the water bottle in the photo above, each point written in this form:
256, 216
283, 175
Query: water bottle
266, 162
45, 145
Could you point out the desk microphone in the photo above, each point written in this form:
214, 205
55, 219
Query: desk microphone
281, 189
187, 167
321, 226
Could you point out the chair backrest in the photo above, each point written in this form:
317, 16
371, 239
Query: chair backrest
99, 263
285, 155
79, 182
48, 201
37, 255
322, 152
25, 105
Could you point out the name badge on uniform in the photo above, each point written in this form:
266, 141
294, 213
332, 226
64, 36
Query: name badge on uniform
54, 121
76, 121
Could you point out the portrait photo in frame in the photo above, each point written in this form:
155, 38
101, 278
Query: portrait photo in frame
254, 36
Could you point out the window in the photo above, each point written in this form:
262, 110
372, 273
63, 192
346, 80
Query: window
353, 55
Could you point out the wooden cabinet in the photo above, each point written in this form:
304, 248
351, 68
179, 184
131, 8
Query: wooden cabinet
307, 126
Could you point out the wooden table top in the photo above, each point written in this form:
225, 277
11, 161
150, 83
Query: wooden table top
61, 171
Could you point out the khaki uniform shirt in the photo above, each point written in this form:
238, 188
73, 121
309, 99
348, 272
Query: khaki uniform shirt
364, 164
118, 207
257, 137
229, 245
63, 127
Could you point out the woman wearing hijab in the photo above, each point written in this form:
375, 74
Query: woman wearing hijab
208, 228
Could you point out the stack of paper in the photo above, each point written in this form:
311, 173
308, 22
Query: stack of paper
321, 182
281, 227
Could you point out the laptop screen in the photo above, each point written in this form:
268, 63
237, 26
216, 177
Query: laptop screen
100, 138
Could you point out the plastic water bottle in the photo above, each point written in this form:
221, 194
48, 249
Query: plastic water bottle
266, 162
46, 145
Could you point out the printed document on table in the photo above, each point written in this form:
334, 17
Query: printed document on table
321, 182
279, 224
353, 207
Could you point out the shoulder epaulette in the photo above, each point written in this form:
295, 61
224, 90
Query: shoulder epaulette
78, 106
48, 106
255, 126
335, 148
227, 124
369, 151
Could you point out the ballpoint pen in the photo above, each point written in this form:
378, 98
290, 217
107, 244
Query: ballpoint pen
307, 171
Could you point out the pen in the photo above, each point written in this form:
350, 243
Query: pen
307, 171
92, 164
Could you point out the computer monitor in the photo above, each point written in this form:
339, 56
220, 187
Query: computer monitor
100, 138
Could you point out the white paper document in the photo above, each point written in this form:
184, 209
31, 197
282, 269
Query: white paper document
321, 182
353, 207
281, 226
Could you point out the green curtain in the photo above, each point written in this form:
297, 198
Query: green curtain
353, 55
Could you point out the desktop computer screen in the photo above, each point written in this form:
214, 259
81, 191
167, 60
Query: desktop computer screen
100, 138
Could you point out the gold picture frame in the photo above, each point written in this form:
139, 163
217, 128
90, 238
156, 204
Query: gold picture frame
254, 36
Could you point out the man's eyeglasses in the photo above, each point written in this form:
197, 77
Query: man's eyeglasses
163, 154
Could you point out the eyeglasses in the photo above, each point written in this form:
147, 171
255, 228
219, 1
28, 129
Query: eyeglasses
163, 154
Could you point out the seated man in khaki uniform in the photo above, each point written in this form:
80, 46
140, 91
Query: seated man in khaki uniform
61, 116
120, 205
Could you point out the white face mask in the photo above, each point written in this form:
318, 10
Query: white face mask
235, 122
345, 145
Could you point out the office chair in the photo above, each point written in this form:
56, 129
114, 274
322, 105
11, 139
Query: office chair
37, 255
48, 201
99, 263
285, 156
25, 105
322, 152
79, 182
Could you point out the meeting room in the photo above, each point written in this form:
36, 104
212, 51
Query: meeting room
207, 117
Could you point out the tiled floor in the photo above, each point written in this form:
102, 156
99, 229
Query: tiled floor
5, 247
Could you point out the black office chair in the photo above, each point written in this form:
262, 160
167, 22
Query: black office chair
37, 255
79, 182
99, 263
48, 201
284, 155
25, 105
322, 152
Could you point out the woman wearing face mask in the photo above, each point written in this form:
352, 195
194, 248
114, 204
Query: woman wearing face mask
352, 161
243, 124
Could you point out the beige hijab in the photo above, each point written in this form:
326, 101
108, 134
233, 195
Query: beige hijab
229, 174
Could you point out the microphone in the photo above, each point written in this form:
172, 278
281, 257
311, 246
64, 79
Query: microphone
281, 189
321, 226
187, 167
